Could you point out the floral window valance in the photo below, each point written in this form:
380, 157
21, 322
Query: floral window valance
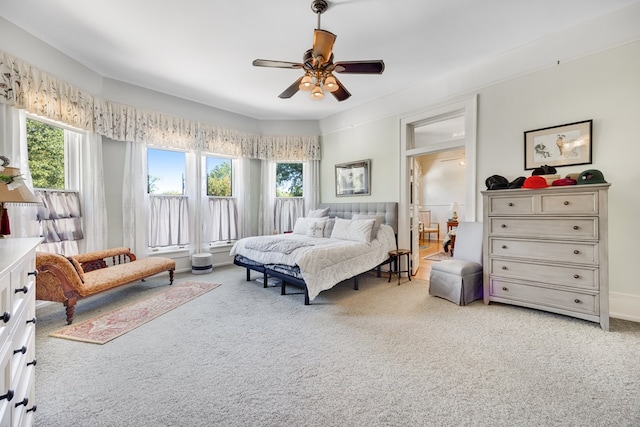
28, 88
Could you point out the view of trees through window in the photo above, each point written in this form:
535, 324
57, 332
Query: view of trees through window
289, 180
219, 177
165, 172
45, 144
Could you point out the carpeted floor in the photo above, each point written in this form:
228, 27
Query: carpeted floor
385, 355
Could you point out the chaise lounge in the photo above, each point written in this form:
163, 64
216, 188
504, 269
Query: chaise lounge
68, 280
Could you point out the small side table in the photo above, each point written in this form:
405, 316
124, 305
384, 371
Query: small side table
396, 255
451, 225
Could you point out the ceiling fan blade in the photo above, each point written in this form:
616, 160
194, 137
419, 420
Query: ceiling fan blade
360, 67
342, 93
276, 64
291, 90
323, 44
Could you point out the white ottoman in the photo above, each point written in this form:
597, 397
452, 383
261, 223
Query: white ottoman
201, 263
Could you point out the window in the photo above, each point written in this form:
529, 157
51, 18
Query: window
165, 172
289, 204
168, 207
289, 180
60, 217
220, 215
219, 177
45, 145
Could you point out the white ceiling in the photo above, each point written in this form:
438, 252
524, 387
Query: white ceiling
202, 50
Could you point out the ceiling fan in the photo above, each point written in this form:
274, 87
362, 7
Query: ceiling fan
318, 65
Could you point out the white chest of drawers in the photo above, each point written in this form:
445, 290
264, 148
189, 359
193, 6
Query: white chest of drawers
548, 249
17, 331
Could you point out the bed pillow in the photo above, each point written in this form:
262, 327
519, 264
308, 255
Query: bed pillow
316, 227
328, 227
318, 213
302, 225
357, 230
379, 219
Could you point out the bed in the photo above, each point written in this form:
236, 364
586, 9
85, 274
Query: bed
345, 241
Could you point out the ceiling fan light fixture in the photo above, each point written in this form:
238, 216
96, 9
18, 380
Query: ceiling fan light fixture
317, 93
306, 83
330, 83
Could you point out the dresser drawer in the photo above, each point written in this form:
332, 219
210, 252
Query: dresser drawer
556, 298
550, 228
570, 204
23, 284
511, 205
572, 252
564, 275
5, 307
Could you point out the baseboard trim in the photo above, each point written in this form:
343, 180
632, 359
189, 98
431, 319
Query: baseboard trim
624, 306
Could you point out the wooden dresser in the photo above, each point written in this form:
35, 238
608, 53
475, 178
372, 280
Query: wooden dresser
17, 331
548, 249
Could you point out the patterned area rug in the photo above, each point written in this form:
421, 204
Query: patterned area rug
106, 327
440, 256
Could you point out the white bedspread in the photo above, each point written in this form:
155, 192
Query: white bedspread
323, 262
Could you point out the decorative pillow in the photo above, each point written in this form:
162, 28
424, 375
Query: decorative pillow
316, 228
379, 219
328, 227
302, 225
318, 213
357, 230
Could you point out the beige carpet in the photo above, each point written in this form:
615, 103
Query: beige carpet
108, 326
382, 356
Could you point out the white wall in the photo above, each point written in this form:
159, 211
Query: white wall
378, 141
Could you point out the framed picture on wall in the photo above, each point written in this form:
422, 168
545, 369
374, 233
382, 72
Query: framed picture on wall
563, 145
353, 179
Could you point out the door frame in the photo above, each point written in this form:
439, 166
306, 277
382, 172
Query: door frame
467, 108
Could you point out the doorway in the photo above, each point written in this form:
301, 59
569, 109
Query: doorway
434, 132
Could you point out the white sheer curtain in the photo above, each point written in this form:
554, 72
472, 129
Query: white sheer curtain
13, 144
85, 174
168, 221
266, 222
311, 184
287, 210
242, 193
135, 199
221, 215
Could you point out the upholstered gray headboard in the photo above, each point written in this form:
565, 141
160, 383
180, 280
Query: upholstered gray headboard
347, 210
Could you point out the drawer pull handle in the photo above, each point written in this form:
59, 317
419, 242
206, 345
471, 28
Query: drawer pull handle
576, 251
6, 317
33, 362
34, 320
504, 226
510, 204
575, 227
7, 396
577, 301
504, 267
34, 408
22, 350
22, 289
504, 246
33, 273
576, 276
24, 402
504, 288
566, 203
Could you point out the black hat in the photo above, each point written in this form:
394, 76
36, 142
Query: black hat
517, 183
496, 182
544, 170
